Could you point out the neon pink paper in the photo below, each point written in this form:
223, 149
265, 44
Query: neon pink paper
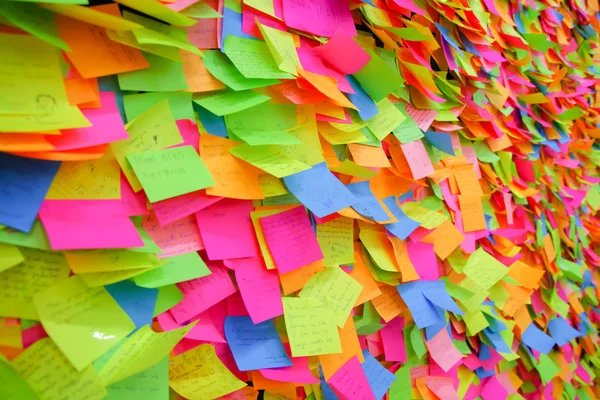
319, 17
350, 382
392, 338
423, 258
418, 159
442, 387
236, 306
170, 210
291, 239
203, 330
189, 134
344, 54
88, 224
227, 231
297, 373
202, 293
259, 288
442, 350
175, 238
493, 390
179, 5
134, 203
107, 127
312, 62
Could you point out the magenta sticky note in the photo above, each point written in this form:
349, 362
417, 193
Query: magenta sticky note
175, 208
319, 17
392, 338
88, 224
350, 382
203, 330
423, 258
227, 231
175, 238
259, 288
344, 54
291, 239
297, 373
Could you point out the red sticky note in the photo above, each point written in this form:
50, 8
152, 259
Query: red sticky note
291, 239
344, 54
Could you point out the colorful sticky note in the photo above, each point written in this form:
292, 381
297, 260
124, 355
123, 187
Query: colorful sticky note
137, 302
351, 382
253, 58
380, 379
176, 269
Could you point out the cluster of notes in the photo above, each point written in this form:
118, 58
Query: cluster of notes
299, 199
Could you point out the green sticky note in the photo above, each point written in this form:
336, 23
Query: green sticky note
270, 158
263, 137
593, 197
547, 368
201, 10
401, 388
253, 58
387, 120
484, 268
159, 11
282, 47
408, 130
571, 114
377, 78
170, 172
164, 75
407, 33
150, 384
180, 104
223, 69
35, 239
156, 33
168, 297
348, 167
12, 385
370, 321
229, 101
538, 41
35, 20
149, 245
9, 256
181, 268
97, 279
281, 117
416, 341
84, 322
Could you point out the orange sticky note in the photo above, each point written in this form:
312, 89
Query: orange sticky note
362, 275
368, 156
389, 304
295, 280
472, 213
350, 348
466, 179
445, 238
328, 86
196, 75
527, 276
407, 269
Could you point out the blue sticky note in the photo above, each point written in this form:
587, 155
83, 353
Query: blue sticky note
137, 302
497, 341
561, 331
367, 204
405, 225
441, 141
436, 328
537, 339
435, 292
25, 182
482, 373
232, 25
423, 312
366, 106
255, 346
214, 124
319, 190
379, 378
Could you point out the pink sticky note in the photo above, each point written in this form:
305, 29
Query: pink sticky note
319, 17
344, 54
312, 62
291, 239
203, 330
134, 203
204, 34
88, 224
423, 258
189, 134
107, 127
418, 159
259, 288
423, 118
202, 293
175, 208
350, 382
297, 373
493, 390
249, 25
392, 337
178, 237
179, 5
442, 350
227, 231
442, 387
236, 306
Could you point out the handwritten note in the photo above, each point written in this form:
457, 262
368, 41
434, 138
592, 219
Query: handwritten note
336, 239
84, 322
19, 284
219, 65
319, 18
351, 382
380, 379
484, 269
153, 381
473, 218
171, 210
176, 269
388, 119
466, 179
87, 180
175, 238
417, 158
199, 374
291, 239
310, 327
253, 58
334, 286
269, 158
442, 350
170, 172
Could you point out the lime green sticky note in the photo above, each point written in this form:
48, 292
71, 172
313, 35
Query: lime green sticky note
149, 245
149, 384
310, 326
336, 287
253, 58
133, 355
484, 269
270, 158
127, 38
401, 388
180, 104
262, 137
35, 239
229, 101
281, 117
156, 33
35, 20
416, 341
164, 75
571, 114
223, 69
159, 11
483, 152
168, 297
170, 172
388, 119
593, 197
201, 10
408, 130
407, 33
82, 262
538, 41
84, 322
39, 270
9, 256
348, 167
282, 47
265, 6
180, 268
69, 117
12, 384
547, 368
370, 321
97, 279
377, 78
51, 376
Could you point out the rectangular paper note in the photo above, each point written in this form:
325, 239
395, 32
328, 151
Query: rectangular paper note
321, 18
442, 350
418, 159
351, 382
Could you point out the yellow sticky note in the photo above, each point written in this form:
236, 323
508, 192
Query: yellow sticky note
105, 260
199, 374
255, 216
155, 129
270, 159
310, 326
388, 119
428, 219
87, 180
97, 279
336, 239
9, 256
334, 286
69, 117
337, 136
159, 11
19, 284
380, 249
51, 376
484, 269
10, 335
30, 84
348, 167
84, 322
133, 355
282, 48
271, 186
